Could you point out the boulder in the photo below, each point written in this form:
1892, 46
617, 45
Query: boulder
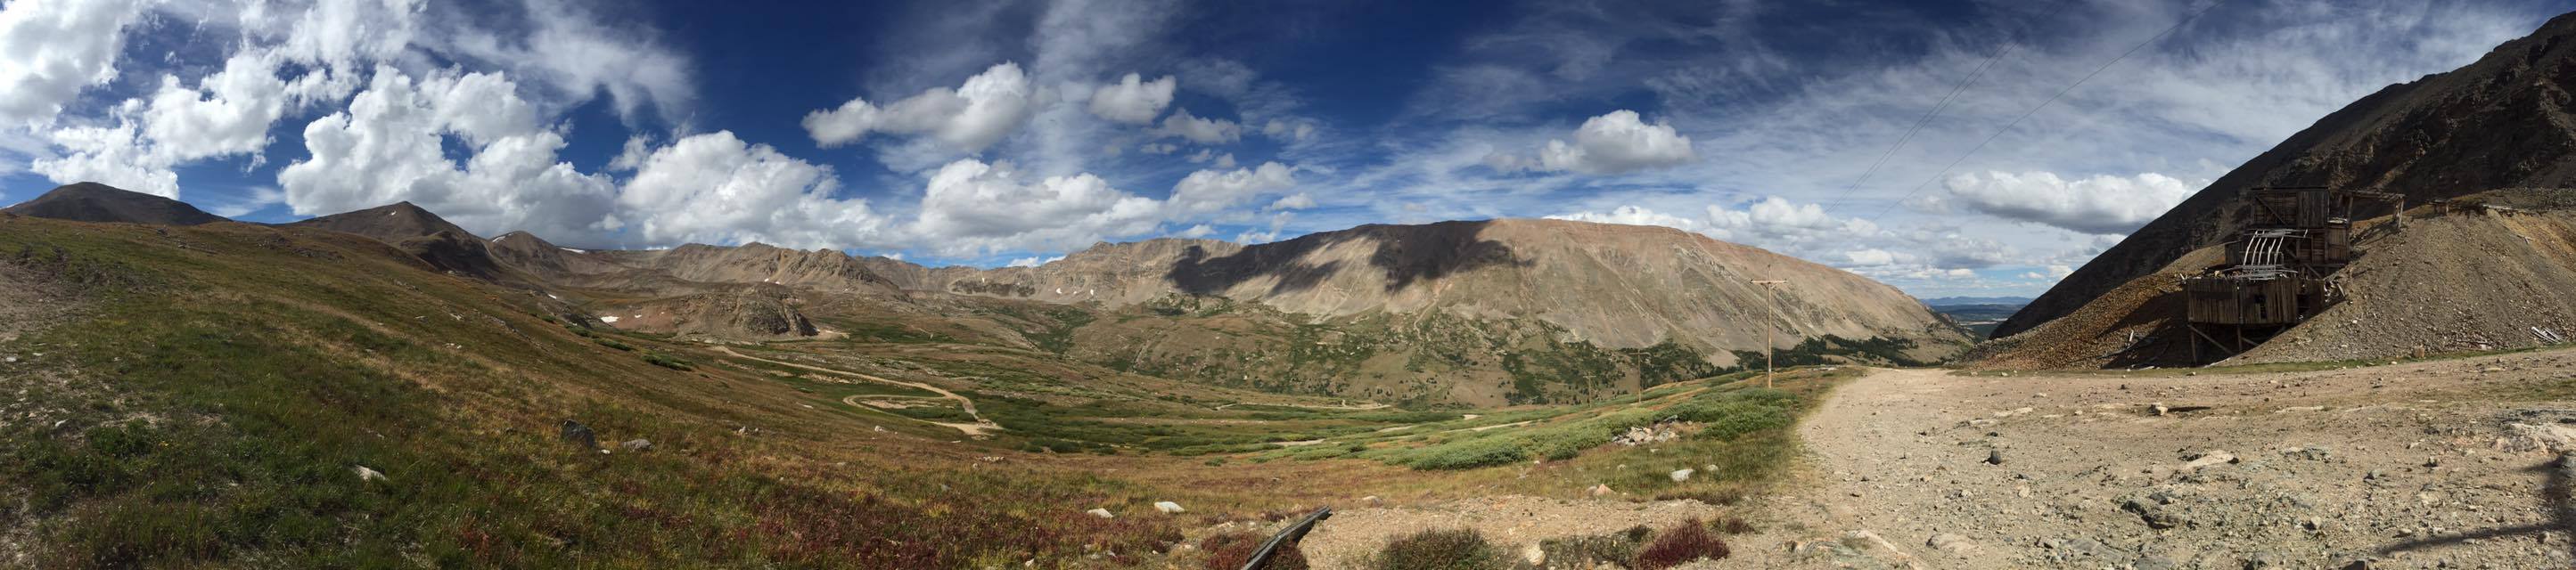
1600, 490
1951, 543
1102, 513
637, 445
2553, 438
2154, 511
365, 474
2208, 458
1168, 507
579, 435
1680, 475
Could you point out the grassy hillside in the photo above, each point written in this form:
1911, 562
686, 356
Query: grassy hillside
214, 395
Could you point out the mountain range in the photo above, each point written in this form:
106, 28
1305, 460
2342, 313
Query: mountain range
1475, 312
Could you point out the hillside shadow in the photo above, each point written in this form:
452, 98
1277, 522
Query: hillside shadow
2557, 494
2165, 342
1405, 255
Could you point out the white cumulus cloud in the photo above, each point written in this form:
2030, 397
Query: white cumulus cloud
970, 207
1615, 143
1636, 216
2095, 205
56, 49
1199, 130
1132, 100
390, 146
988, 107
1210, 191
715, 188
1297, 201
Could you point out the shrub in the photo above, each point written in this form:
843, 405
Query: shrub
1731, 525
1749, 421
1591, 551
1675, 546
612, 343
1470, 454
1228, 551
666, 361
1459, 549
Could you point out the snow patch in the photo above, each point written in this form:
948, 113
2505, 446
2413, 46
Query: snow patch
608, 319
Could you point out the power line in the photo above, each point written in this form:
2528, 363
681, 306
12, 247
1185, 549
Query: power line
1999, 133
1980, 72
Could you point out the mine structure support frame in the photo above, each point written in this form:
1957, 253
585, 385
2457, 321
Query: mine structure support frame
2252, 277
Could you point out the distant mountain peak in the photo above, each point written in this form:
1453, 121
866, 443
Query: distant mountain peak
95, 202
390, 223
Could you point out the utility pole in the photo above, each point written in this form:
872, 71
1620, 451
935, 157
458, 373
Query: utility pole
1767, 350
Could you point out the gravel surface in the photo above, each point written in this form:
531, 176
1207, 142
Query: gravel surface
2413, 466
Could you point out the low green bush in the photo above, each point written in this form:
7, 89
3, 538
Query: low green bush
1459, 549
1592, 551
1483, 452
666, 361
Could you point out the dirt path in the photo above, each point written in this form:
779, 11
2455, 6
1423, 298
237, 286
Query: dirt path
980, 427
1367, 406
2419, 465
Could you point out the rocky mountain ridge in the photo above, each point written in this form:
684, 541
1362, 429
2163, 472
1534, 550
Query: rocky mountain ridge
2504, 121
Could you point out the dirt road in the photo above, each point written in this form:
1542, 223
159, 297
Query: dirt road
980, 427
2426, 465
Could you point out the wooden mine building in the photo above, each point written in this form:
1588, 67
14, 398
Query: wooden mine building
2278, 270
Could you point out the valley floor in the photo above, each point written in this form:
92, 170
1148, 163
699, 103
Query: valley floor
2439, 464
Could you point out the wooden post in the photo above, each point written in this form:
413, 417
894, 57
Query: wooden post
1767, 349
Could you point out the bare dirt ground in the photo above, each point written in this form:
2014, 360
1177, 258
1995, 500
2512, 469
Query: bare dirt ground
2440, 464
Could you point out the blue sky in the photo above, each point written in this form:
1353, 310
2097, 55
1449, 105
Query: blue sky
992, 133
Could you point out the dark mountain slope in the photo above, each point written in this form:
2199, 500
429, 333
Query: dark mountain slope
2501, 122
95, 202
442, 245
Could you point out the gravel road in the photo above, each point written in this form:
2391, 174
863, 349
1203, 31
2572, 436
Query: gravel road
2422, 465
